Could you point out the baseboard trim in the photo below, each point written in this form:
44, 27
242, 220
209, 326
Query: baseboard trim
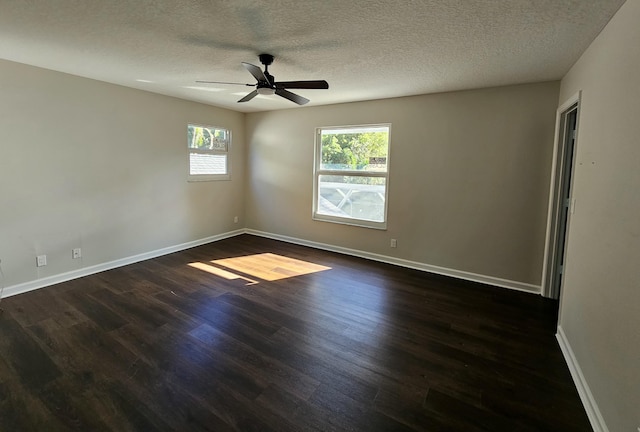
589, 403
86, 271
459, 274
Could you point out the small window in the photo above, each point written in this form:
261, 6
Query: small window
208, 153
351, 175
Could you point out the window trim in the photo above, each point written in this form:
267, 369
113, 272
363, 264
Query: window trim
317, 172
209, 177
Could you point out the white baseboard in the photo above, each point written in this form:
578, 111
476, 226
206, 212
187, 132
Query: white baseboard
459, 274
86, 271
590, 405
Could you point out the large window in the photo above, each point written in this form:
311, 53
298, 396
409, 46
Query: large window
351, 175
208, 152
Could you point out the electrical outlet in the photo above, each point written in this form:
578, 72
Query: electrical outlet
41, 260
394, 243
76, 253
235, 219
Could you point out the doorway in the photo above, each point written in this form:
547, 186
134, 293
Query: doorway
561, 203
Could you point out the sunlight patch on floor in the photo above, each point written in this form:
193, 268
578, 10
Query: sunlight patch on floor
266, 266
270, 267
220, 272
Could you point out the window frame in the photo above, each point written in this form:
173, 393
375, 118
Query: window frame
227, 154
318, 171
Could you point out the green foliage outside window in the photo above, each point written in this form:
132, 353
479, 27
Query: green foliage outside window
364, 151
354, 151
207, 138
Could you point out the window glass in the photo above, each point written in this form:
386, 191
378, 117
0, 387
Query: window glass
351, 175
208, 152
363, 149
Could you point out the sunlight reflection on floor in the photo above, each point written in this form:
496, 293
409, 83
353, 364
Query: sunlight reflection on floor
265, 266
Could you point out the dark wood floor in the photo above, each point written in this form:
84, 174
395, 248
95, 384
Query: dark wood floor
162, 345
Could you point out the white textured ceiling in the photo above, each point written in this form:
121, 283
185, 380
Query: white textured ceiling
365, 49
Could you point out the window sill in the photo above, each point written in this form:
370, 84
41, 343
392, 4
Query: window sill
206, 178
353, 222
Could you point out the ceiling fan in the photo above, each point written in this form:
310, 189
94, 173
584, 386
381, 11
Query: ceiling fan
267, 85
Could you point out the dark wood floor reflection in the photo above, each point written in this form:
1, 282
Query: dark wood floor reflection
286, 338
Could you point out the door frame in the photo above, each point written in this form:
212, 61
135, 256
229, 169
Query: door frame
558, 175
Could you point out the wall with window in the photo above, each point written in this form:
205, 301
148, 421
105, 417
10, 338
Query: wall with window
104, 168
468, 178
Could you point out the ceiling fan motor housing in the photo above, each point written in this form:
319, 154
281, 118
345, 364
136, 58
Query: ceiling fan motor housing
266, 90
267, 87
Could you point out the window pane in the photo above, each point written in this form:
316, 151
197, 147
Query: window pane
355, 149
202, 164
205, 138
352, 197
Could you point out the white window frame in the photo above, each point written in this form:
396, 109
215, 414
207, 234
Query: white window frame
227, 154
318, 171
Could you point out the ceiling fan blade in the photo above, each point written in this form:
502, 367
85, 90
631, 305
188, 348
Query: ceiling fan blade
249, 96
255, 71
291, 96
222, 82
318, 84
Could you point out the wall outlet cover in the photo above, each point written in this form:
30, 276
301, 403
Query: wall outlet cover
41, 260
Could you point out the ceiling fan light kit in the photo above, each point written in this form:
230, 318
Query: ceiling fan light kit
267, 85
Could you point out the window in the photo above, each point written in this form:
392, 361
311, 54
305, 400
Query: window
351, 175
208, 153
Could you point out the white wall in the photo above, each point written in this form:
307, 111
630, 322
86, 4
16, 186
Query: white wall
102, 167
469, 178
600, 306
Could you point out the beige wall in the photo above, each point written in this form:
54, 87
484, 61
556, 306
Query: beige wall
601, 295
469, 177
102, 167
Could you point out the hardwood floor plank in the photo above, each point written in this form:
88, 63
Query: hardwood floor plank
184, 359
131, 308
296, 410
134, 410
355, 414
256, 345
94, 310
70, 407
523, 402
239, 355
447, 410
22, 410
405, 404
249, 318
28, 361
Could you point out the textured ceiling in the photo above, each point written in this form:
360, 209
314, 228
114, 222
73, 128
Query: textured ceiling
365, 49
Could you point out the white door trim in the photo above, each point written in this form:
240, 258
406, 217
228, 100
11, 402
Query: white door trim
549, 246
